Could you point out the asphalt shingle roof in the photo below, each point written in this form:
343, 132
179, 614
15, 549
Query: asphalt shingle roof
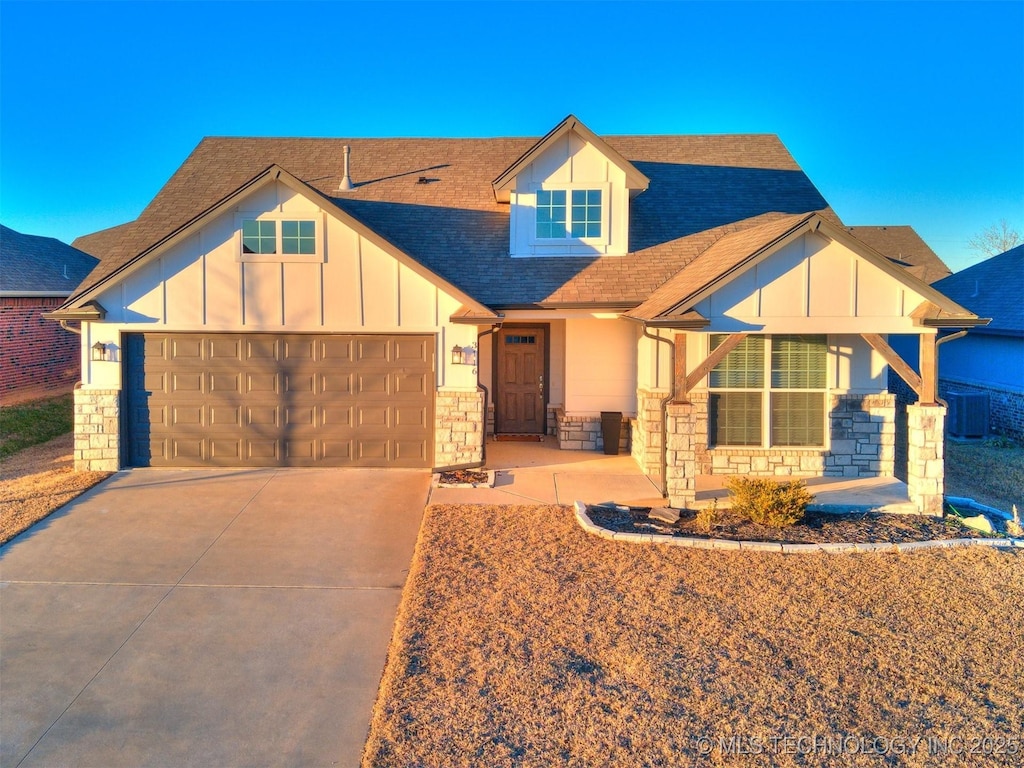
724, 255
992, 288
702, 187
903, 245
34, 264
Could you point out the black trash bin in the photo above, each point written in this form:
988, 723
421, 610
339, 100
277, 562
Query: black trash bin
611, 430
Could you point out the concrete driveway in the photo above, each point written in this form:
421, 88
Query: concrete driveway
207, 618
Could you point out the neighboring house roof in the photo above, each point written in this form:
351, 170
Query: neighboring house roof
701, 187
905, 247
40, 266
992, 288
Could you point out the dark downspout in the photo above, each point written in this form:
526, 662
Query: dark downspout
664, 410
479, 336
952, 337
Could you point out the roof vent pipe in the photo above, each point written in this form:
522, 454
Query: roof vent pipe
346, 181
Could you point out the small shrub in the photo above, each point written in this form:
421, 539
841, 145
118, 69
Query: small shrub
1002, 441
768, 502
707, 518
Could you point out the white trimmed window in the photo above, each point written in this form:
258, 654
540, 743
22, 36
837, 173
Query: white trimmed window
769, 392
569, 213
274, 239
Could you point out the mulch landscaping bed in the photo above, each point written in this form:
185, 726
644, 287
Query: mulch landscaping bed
463, 477
816, 527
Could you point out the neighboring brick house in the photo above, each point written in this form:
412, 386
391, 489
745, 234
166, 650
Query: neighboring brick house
282, 302
37, 274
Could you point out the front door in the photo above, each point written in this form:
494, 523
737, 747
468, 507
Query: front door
520, 398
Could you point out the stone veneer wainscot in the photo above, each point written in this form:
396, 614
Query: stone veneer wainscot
458, 428
97, 430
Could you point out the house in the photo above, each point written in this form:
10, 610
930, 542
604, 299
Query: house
383, 302
990, 359
37, 275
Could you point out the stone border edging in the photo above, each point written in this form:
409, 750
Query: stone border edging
694, 542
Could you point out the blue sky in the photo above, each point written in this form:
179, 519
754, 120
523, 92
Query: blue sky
900, 113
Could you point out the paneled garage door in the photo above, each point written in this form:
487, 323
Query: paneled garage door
262, 400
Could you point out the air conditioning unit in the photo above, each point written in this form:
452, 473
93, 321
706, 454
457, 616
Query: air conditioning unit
968, 414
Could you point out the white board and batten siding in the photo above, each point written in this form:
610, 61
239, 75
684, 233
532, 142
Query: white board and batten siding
813, 285
570, 162
201, 283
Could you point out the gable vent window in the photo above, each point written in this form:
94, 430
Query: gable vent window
769, 392
274, 239
298, 237
565, 213
259, 236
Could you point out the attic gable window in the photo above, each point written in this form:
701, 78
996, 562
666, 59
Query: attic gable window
569, 213
259, 236
274, 239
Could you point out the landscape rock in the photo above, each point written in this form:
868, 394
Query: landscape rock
664, 515
978, 523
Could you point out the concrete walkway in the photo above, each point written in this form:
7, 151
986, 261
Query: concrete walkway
540, 473
227, 618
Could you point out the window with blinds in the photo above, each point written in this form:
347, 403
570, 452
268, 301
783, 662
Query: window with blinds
769, 391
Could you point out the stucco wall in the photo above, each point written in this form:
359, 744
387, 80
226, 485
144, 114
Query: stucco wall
600, 366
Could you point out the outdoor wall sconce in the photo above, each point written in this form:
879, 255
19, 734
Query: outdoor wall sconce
464, 355
100, 352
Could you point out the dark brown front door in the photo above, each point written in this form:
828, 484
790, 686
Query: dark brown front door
520, 391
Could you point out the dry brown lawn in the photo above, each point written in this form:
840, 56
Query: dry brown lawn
522, 641
37, 481
990, 471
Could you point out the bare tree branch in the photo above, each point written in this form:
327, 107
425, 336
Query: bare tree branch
994, 240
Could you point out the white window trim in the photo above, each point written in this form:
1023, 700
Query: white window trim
766, 400
317, 218
606, 194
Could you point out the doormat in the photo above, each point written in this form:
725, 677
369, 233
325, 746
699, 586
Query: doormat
519, 438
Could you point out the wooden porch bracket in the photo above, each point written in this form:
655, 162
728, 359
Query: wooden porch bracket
929, 394
920, 384
684, 382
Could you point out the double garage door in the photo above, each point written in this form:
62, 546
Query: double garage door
266, 400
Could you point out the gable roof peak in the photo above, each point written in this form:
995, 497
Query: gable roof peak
635, 180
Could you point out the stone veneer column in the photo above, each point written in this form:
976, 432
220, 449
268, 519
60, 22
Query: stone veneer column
925, 455
97, 430
458, 428
647, 433
687, 448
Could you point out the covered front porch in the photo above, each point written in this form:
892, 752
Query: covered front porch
541, 473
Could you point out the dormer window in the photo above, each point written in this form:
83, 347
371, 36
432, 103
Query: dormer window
580, 219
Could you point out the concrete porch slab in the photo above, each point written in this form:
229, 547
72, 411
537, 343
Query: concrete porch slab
831, 494
541, 473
